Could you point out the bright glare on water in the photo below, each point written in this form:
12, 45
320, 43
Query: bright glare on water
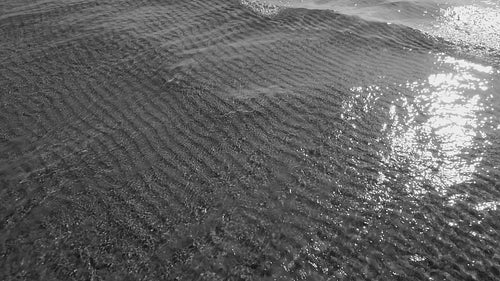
450, 100
438, 128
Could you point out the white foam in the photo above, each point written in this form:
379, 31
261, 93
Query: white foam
263, 8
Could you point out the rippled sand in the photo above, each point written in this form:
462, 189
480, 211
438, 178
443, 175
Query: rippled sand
227, 140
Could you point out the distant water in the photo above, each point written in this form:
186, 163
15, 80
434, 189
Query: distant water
249, 140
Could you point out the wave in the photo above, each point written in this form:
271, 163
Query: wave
466, 22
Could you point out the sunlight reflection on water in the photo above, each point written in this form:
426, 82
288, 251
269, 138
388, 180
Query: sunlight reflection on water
477, 24
442, 125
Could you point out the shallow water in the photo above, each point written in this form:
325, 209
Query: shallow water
271, 140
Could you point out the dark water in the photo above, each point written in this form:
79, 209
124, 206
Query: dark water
226, 140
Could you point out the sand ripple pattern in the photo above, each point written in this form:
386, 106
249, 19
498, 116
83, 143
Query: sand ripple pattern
203, 140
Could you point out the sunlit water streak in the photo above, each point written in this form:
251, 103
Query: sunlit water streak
449, 102
436, 130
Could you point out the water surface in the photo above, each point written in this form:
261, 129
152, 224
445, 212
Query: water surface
272, 140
